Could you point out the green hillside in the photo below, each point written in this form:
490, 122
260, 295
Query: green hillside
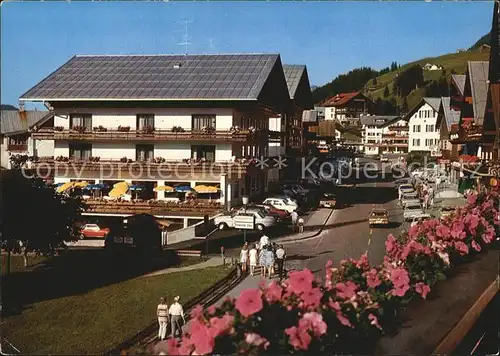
451, 63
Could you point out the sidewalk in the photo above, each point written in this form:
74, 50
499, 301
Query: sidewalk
212, 262
313, 227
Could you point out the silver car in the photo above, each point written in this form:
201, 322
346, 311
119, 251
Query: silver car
261, 221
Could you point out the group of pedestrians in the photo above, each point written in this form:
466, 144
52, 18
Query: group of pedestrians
174, 314
269, 256
297, 222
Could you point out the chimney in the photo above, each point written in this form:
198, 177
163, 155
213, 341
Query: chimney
21, 107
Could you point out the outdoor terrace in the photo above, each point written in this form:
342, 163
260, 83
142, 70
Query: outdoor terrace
158, 208
17, 147
399, 128
125, 134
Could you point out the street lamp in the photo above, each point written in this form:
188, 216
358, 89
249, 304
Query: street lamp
244, 200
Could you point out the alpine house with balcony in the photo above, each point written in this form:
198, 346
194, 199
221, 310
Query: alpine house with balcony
163, 124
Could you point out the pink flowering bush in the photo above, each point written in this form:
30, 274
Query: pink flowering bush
354, 305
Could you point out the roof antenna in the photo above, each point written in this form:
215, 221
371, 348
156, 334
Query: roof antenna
185, 38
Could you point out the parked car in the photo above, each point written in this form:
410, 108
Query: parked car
405, 188
410, 201
412, 211
402, 181
329, 200
93, 231
261, 221
378, 216
267, 209
384, 159
282, 203
421, 217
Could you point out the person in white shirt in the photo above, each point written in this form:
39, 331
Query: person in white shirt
253, 259
294, 217
264, 241
176, 314
280, 260
301, 223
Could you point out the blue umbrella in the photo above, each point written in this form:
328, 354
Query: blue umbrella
57, 185
97, 186
183, 189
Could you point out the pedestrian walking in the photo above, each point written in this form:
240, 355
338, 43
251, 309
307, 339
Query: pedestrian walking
252, 255
300, 223
176, 314
262, 260
264, 241
280, 259
269, 261
295, 217
244, 257
162, 314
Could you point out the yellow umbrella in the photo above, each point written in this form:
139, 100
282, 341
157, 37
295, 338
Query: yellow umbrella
119, 189
206, 189
65, 187
164, 188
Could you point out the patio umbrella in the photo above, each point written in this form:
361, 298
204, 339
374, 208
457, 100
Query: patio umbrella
65, 187
206, 189
119, 189
183, 189
164, 188
80, 184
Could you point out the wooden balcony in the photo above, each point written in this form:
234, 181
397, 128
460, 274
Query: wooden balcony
156, 135
395, 137
157, 208
22, 147
119, 169
399, 128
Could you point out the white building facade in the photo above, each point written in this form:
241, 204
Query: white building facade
423, 133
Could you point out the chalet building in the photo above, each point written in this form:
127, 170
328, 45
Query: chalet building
395, 134
491, 129
372, 129
423, 134
347, 107
447, 123
15, 137
165, 122
472, 109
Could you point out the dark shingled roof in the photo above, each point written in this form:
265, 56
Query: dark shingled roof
157, 77
459, 80
293, 73
494, 75
375, 120
451, 116
15, 122
478, 74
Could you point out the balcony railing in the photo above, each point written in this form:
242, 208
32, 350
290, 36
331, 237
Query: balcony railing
143, 135
395, 137
13, 147
153, 208
399, 128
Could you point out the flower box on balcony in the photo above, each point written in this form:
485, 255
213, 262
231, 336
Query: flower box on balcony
79, 128
58, 128
148, 129
100, 128
123, 128
177, 129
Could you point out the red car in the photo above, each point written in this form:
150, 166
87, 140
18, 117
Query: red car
93, 231
283, 214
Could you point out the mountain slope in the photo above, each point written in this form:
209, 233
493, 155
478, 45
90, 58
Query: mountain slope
451, 63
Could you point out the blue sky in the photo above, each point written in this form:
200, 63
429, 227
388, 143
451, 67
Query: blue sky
329, 37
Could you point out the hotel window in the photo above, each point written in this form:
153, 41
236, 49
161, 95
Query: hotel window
429, 128
145, 120
236, 190
420, 114
416, 142
203, 152
80, 151
416, 128
81, 120
17, 140
200, 121
144, 152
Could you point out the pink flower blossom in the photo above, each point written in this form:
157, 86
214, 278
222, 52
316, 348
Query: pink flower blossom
311, 298
400, 291
196, 312
256, 340
314, 321
412, 232
489, 235
343, 320
201, 337
219, 326
299, 339
422, 289
390, 243
443, 231
363, 262
374, 321
400, 279
333, 305
211, 310
372, 279
273, 292
471, 199
476, 246
346, 290
329, 264
457, 230
461, 248
300, 281
249, 302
